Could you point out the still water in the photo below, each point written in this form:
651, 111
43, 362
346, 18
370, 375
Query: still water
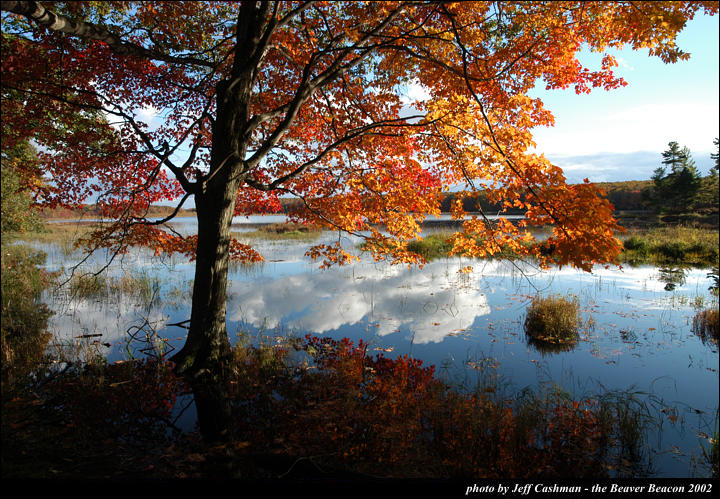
637, 333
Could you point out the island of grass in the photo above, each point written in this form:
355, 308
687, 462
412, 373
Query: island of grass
553, 319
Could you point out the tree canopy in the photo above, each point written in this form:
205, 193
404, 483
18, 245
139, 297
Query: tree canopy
365, 111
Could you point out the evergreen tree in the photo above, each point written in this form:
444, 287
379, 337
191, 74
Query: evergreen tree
676, 190
674, 157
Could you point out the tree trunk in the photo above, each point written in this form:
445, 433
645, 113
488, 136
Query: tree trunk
207, 345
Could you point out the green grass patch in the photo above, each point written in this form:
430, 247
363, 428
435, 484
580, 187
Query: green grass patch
432, 246
672, 245
437, 245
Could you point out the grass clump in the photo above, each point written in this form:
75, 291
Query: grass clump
706, 325
553, 319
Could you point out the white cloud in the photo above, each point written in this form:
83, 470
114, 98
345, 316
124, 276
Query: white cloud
646, 127
610, 167
624, 64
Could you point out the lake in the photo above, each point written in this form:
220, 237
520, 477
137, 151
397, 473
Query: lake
637, 332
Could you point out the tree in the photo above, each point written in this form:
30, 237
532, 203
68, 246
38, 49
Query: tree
674, 157
256, 100
17, 214
678, 189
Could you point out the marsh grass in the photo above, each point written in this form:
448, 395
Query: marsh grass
432, 246
660, 246
553, 319
668, 245
62, 234
712, 454
437, 245
281, 231
706, 325
138, 285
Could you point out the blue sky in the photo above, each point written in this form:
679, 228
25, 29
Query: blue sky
620, 134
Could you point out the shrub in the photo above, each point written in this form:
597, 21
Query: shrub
636, 244
93, 421
553, 319
342, 409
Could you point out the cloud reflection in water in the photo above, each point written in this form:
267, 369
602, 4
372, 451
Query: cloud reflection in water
430, 302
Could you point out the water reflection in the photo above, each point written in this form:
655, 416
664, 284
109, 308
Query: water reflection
642, 332
78, 319
672, 277
548, 348
429, 302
